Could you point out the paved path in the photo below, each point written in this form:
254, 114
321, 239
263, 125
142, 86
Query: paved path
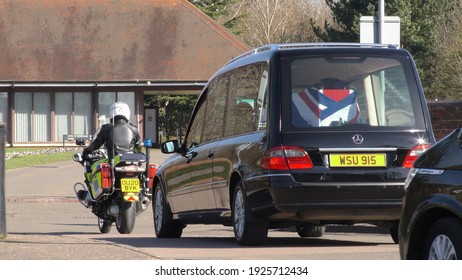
45, 222
40, 194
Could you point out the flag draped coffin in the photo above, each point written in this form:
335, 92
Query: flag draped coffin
328, 107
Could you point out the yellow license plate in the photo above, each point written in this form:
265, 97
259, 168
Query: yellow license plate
130, 185
358, 160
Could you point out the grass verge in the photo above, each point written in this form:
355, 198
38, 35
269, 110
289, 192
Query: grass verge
24, 157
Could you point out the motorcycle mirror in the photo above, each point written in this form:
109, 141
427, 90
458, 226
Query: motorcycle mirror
80, 141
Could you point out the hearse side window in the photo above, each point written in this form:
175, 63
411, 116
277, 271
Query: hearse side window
215, 109
246, 100
262, 101
194, 136
340, 91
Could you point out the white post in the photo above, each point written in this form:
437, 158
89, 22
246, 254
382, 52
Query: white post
2, 181
381, 20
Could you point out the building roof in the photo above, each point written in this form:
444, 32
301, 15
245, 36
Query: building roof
110, 40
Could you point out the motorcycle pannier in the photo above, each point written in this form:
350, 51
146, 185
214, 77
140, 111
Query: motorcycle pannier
101, 180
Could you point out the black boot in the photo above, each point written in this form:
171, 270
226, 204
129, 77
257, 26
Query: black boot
81, 194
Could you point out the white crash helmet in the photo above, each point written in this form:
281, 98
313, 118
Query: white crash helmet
120, 109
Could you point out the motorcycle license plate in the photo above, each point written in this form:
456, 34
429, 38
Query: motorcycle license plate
130, 185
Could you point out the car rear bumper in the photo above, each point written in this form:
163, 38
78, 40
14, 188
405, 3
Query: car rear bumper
282, 198
378, 211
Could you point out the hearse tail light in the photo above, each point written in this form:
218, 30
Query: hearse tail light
413, 154
285, 158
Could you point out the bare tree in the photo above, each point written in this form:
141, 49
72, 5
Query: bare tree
278, 21
449, 72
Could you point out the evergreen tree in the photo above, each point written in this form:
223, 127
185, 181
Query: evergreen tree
174, 112
217, 9
346, 15
419, 20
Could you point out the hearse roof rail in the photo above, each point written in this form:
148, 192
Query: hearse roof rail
310, 45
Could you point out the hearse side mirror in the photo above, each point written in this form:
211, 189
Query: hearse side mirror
169, 147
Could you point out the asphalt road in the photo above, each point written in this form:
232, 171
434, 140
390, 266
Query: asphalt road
45, 222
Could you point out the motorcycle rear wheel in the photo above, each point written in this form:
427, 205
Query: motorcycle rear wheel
125, 221
104, 225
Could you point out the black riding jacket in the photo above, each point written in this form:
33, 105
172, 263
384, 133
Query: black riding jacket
119, 137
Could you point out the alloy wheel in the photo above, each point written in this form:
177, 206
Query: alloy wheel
239, 214
442, 249
159, 209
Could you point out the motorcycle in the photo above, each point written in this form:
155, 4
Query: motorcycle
118, 190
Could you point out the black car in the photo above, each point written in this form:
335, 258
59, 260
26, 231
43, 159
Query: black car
431, 222
298, 135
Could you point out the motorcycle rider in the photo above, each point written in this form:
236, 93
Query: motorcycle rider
119, 137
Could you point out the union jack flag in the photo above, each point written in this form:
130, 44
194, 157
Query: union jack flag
328, 107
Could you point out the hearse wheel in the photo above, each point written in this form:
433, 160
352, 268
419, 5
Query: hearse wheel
248, 230
164, 226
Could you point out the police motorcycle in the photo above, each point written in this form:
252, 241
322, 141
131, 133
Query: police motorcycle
118, 190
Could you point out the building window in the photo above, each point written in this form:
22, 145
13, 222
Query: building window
72, 113
23, 116
41, 116
47, 116
106, 99
4, 107
63, 114
82, 112
32, 115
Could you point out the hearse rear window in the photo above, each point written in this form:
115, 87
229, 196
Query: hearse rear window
344, 90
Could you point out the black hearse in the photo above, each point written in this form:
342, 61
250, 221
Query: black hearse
297, 135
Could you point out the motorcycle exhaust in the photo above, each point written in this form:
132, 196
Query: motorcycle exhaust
80, 187
145, 200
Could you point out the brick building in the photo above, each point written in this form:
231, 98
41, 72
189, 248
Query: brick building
63, 62
446, 116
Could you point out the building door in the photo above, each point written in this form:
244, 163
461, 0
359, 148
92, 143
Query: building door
150, 124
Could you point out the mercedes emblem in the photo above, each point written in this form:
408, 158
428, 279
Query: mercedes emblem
358, 139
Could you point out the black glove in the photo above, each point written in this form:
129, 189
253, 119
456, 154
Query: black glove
85, 154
